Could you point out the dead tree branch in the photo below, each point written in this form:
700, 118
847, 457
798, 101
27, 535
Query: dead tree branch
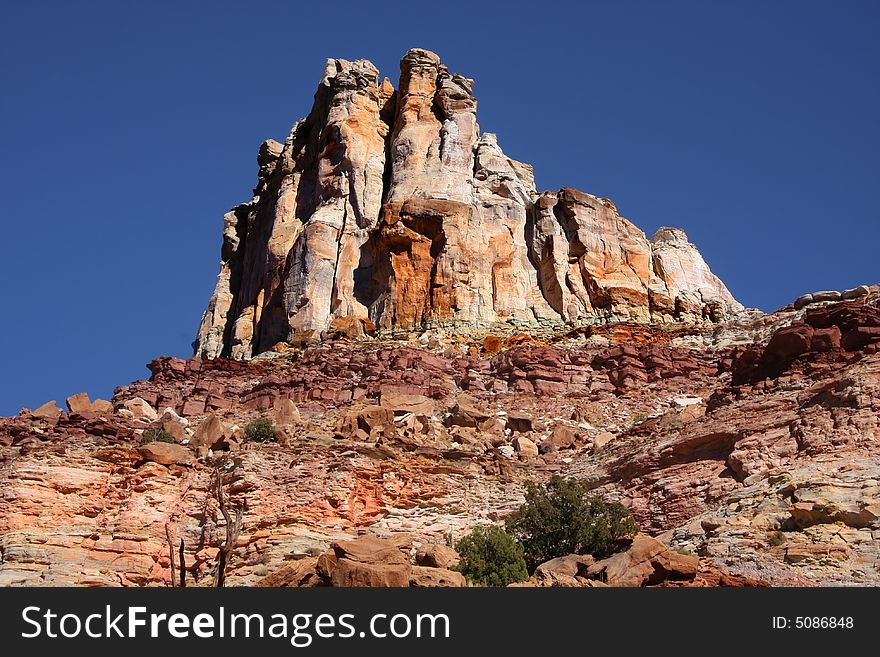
171, 555
182, 566
233, 530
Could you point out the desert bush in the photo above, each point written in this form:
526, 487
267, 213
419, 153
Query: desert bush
260, 430
562, 517
156, 436
490, 557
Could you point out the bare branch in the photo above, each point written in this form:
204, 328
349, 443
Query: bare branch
233, 530
182, 566
171, 555
220, 498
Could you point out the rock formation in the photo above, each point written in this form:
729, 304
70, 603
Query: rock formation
389, 210
562, 341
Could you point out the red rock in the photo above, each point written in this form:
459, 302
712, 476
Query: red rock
365, 420
403, 403
296, 574
525, 447
79, 403
166, 453
562, 437
193, 406
859, 337
348, 573
371, 550
212, 433
518, 421
797, 448
102, 406
468, 412
48, 411
570, 565
790, 342
437, 556
646, 561
424, 576
826, 339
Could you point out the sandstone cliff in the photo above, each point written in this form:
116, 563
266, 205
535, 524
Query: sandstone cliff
388, 210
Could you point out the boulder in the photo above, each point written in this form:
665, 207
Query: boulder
367, 561
436, 555
301, 573
803, 301
425, 576
602, 438
348, 573
569, 565
214, 434
326, 563
790, 342
102, 407
562, 437
518, 421
373, 550
826, 295
855, 293
166, 453
140, 409
672, 565
402, 403
825, 339
79, 403
470, 412
646, 561
48, 411
566, 572
525, 446
286, 413
359, 424
173, 424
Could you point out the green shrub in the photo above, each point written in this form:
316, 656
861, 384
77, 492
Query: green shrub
490, 557
562, 518
156, 436
260, 430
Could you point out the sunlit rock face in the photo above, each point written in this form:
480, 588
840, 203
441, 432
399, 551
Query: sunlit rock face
390, 211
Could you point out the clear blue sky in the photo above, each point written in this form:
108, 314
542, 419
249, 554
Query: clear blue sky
127, 129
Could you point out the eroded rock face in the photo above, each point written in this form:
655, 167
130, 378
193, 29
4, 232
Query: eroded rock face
390, 210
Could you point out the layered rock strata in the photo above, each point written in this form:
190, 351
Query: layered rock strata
759, 458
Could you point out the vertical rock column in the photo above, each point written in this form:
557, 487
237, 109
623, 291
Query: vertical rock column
346, 198
451, 246
289, 255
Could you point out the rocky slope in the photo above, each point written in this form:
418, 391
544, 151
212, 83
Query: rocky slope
749, 444
387, 210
